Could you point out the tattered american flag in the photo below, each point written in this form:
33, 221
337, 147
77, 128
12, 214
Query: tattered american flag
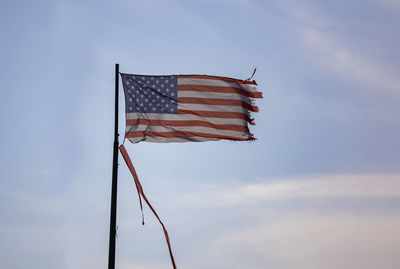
182, 108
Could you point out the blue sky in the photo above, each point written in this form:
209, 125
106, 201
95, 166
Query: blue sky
320, 188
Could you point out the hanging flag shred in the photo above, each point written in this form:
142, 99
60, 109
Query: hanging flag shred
141, 194
183, 108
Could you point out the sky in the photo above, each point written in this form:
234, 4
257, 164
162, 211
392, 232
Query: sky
320, 188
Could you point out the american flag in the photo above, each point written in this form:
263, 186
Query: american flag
182, 108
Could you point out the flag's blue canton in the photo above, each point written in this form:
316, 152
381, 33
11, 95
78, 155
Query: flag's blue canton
150, 94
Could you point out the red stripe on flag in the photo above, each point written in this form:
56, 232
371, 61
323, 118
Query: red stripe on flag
239, 128
219, 89
211, 101
216, 114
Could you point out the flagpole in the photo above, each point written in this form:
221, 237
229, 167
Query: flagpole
113, 213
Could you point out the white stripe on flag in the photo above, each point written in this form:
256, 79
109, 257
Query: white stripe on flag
197, 129
185, 117
171, 139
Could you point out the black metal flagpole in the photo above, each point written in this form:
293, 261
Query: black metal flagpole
113, 214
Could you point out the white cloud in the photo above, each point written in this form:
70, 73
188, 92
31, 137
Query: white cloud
314, 241
334, 186
221, 225
267, 224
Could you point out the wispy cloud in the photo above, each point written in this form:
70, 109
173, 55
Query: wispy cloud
345, 56
389, 3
